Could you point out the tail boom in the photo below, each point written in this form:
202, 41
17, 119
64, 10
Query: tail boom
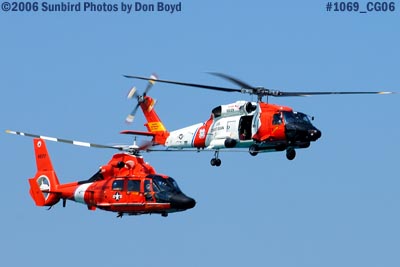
154, 125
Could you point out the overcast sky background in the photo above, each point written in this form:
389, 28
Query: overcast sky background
336, 204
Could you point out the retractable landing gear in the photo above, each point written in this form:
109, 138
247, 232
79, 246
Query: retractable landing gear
290, 153
215, 161
253, 150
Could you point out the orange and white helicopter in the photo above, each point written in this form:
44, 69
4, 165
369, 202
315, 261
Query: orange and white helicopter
126, 184
258, 126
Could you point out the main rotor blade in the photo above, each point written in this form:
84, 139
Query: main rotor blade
224, 89
234, 80
259, 91
265, 91
332, 93
145, 145
54, 139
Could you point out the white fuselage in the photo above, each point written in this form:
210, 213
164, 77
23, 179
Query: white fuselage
182, 138
231, 121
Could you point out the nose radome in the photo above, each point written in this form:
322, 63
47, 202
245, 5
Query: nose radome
180, 201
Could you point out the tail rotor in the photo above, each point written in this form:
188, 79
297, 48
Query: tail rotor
140, 98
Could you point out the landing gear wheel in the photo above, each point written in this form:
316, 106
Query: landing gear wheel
290, 154
253, 150
215, 161
212, 162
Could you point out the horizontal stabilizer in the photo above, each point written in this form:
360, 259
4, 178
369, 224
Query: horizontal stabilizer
138, 133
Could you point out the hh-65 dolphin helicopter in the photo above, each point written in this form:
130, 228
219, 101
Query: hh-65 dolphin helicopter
126, 184
258, 126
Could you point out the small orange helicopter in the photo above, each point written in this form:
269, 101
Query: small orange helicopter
258, 126
126, 184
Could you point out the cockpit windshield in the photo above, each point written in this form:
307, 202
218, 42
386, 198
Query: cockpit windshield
302, 117
295, 117
161, 184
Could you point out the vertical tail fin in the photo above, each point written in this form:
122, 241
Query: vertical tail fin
44, 185
154, 124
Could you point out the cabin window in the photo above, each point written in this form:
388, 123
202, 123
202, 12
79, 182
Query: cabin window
217, 111
133, 185
118, 185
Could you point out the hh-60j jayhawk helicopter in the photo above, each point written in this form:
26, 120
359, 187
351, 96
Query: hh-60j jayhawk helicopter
258, 126
126, 184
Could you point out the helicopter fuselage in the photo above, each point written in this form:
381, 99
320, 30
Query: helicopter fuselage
126, 185
244, 124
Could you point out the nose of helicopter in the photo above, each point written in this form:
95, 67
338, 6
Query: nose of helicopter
181, 201
314, 134
300, 132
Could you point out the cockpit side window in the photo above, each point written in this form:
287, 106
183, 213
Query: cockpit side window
289, 117
147, 186
277, 119
133, 185
118, 185
148, 191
